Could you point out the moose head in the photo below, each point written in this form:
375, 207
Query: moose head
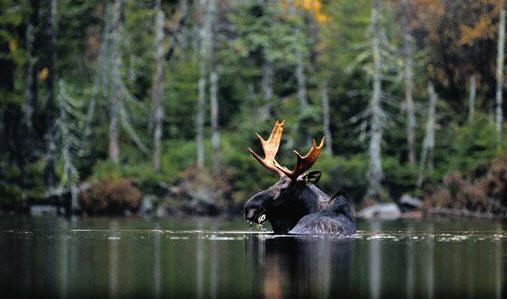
294, 195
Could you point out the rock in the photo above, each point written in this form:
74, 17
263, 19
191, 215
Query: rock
161, 210
380, 210
43, 210
410, 202
146, 207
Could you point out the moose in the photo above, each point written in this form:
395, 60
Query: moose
294, 204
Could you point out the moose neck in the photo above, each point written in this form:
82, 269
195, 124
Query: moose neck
286, 215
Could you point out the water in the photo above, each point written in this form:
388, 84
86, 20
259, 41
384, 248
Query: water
215, 258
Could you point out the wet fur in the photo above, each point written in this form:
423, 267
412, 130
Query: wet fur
286, 215
301, 208
335, 218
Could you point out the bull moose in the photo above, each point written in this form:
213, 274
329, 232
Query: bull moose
294, 204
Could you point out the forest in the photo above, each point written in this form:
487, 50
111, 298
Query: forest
150, 106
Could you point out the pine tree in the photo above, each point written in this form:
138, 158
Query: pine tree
157, 109
409, 83
375, 174
429, 138
50, 104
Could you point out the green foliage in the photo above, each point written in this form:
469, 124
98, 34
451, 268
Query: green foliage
249, 33
465, 147
106, 169
267, 30
180, 90
14, 192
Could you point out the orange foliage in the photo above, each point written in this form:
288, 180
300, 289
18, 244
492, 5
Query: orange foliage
312, 6
459, 30
486, 194
111, 196
479, 23
483, 27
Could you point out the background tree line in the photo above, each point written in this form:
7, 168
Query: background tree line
164, 97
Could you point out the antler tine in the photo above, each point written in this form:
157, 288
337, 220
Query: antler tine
303, 163
270, 148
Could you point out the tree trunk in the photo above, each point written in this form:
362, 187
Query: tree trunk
499, 72
375, 174
114, 148
471, 99
301, 79
66, 125
429, 138
300, 75
203, 57
409, 85
267, 89
31, 86
184, 31
156, 96
325, 117
215, 134
267, 79
50, 105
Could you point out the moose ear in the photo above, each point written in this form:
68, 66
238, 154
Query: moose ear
312, 176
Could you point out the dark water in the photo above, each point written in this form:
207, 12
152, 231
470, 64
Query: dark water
216, 258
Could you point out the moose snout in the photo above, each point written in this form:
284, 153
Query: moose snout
255, 208
254, 215
250, 214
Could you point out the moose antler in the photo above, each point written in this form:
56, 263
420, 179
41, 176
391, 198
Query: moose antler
303, 163
270, 148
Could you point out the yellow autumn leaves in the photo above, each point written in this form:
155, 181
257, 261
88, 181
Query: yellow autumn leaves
44, 72
486, 25
312, 6
481, 23
13, 45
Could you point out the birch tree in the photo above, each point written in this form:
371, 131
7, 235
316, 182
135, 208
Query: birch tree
215, 134
500, 72
71, 125
429, 138
114, 148
184, 32
203, 59
110, 86
300, 75
375, 174
267, 88
409, 83
471, 98
31, 84
157, 109
325, 117
50, 104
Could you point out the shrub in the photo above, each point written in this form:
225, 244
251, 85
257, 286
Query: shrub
197, 192
495, 183
485, 193
111, 196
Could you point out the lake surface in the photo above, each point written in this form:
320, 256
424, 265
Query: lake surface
216, 258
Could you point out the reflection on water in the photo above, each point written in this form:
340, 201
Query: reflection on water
210, 258
295, 267
374, 262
